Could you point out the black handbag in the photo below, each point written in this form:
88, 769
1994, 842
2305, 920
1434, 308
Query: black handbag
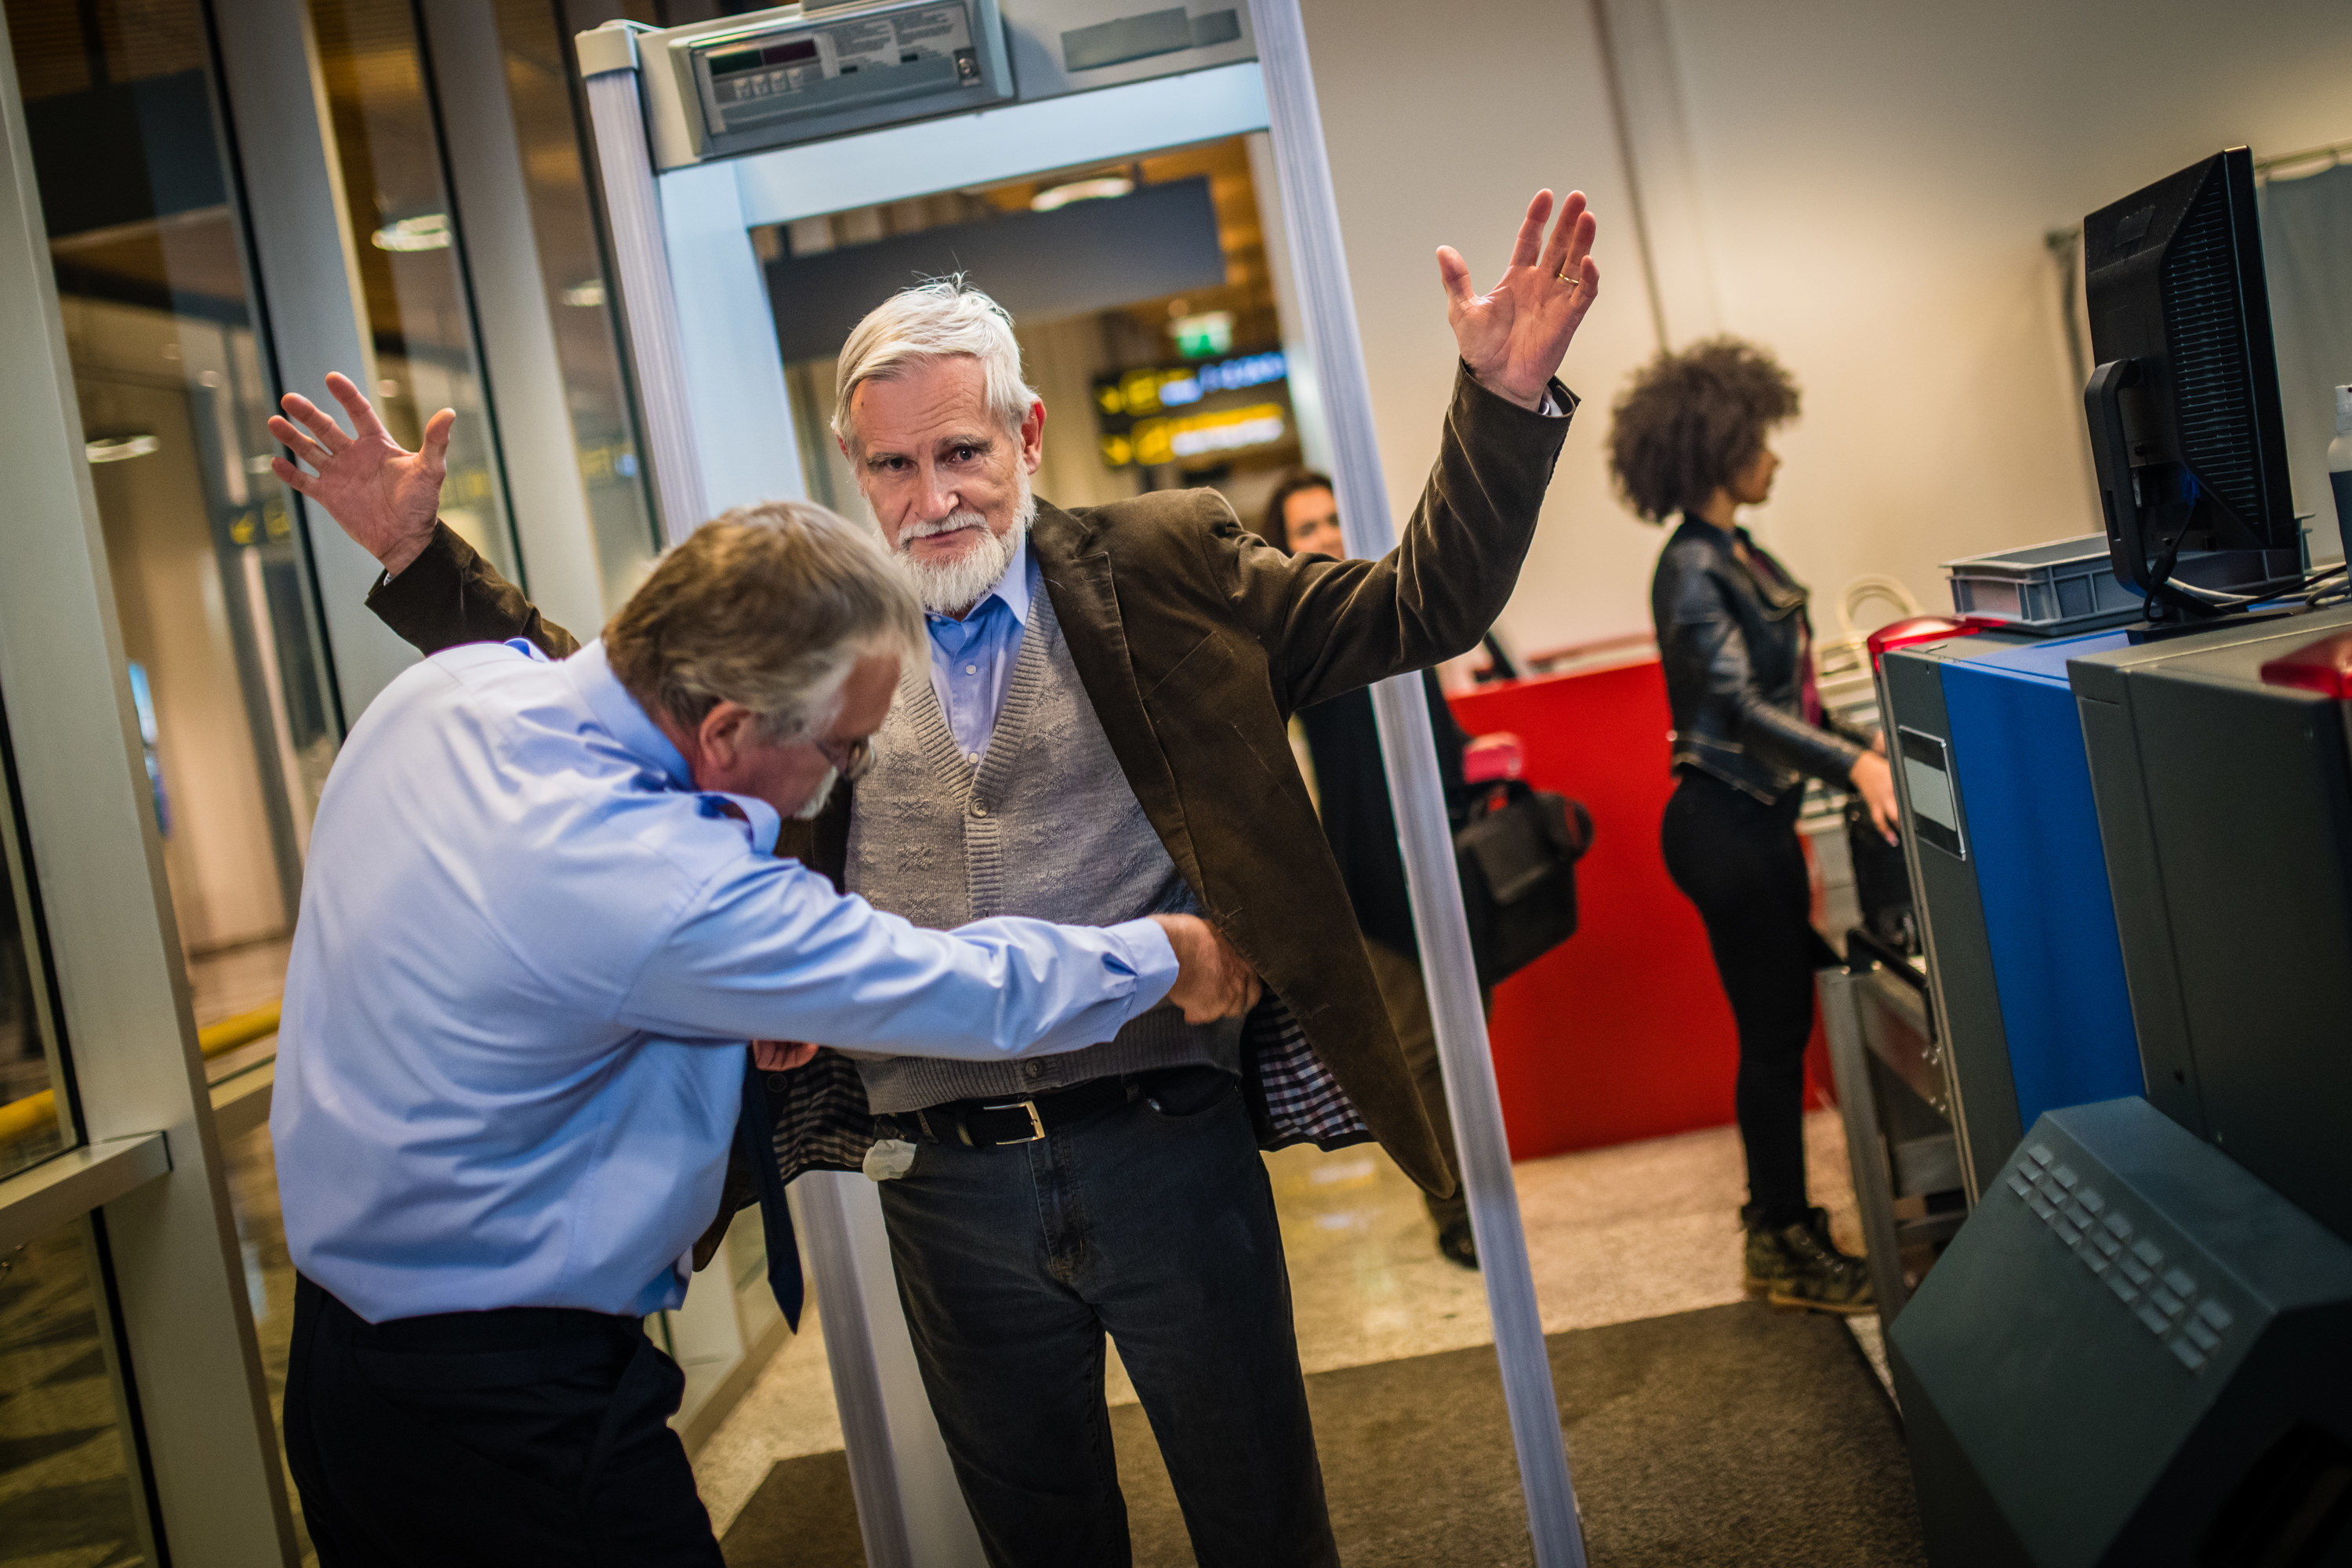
1516, 857
1882, 883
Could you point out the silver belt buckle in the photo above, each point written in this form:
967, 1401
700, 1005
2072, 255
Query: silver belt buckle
1036, 1122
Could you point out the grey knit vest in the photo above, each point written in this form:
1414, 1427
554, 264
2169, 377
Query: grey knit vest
1047, 825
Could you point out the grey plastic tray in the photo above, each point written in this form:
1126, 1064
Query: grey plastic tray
2049, 590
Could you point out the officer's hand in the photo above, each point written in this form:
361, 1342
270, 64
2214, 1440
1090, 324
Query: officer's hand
1212, 980
780, 1056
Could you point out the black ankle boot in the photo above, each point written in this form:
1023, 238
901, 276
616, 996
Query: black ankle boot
1455, 1243
1799, 1266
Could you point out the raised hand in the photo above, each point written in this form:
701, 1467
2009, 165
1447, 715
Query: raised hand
384, 496
1514, 336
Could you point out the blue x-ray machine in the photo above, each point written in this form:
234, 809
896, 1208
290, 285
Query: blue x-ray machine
2132, 1353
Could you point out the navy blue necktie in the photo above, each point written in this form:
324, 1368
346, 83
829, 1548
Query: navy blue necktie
755, 1131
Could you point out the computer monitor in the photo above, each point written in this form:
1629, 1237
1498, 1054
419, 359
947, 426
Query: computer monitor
2184, 406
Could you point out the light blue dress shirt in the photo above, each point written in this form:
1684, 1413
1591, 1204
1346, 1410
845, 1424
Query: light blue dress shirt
528, 959
972, 658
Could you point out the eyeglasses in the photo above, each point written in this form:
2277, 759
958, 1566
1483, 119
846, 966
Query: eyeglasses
852, 760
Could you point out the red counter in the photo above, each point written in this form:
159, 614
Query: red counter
1623, 1032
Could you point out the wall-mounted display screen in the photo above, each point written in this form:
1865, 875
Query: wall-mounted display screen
1188, 415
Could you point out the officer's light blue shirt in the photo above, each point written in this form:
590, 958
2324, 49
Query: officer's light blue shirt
528, 959
971, 660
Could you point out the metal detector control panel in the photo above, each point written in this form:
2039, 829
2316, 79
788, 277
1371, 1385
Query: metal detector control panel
810, 72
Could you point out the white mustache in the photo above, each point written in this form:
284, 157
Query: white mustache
954, 523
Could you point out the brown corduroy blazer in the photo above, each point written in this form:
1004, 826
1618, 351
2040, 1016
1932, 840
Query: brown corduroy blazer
1196, 641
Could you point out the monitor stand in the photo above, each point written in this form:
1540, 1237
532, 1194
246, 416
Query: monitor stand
2141, 632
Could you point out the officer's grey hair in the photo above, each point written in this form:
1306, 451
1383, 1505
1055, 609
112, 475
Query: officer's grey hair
767, 605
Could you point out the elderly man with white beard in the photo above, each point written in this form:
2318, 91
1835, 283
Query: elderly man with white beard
1100, 735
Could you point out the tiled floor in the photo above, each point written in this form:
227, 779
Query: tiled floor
65, 1488
1614, 1235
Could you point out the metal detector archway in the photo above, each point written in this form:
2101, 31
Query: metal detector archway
716, 417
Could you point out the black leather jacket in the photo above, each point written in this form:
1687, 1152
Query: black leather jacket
1734, 642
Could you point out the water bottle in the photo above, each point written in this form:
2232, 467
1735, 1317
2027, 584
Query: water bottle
2340, 463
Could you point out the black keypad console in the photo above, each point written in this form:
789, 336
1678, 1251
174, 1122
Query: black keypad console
2169, 1302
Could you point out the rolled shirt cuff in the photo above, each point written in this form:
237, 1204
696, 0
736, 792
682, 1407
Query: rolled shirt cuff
1146, 951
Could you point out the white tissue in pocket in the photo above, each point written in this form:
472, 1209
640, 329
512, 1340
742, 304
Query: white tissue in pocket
890, 1159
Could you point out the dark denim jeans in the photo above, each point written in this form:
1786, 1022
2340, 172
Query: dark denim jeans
1153, 1223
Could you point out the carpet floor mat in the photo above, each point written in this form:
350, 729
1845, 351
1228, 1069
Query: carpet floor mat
1735, 1436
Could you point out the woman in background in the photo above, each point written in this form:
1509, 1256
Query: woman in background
1351, 796
1690, 439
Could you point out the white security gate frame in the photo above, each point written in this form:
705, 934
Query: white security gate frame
717, 420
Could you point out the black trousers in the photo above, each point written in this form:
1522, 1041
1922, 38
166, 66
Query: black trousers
1406, 994
1151, 1223
1738, 858
528, 1435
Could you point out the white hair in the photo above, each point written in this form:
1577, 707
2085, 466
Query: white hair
937, 320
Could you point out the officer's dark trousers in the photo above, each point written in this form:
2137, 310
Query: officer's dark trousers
525, 1436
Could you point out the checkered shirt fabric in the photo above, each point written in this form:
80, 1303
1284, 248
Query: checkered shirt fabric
1299, 1100
823, 1122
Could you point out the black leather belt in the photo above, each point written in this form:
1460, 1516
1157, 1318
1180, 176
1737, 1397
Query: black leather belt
991, 1123
987, 1123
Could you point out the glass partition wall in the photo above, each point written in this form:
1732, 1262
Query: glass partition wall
69, 1491
235, 714
208, 619
36, 1111
418, 307
227, 666
539, 85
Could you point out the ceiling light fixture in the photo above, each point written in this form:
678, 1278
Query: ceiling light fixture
587, 296
428, 231
1102, 188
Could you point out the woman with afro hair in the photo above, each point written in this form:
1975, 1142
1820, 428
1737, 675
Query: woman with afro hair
1690, 441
